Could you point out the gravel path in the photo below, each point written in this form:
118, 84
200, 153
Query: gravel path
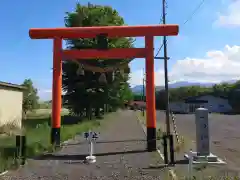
120, 154
224, 135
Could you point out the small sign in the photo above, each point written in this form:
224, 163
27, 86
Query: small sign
94, 135
86, 135
91, 135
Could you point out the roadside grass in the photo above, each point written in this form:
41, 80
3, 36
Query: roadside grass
142, 120
37, 131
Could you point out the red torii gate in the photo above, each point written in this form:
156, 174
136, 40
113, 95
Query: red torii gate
57, 34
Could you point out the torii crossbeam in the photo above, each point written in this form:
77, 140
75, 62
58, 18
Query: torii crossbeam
58, 34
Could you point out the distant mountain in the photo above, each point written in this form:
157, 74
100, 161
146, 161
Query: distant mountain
185, 84
138, 89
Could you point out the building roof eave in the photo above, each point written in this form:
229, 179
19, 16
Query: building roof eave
10, 85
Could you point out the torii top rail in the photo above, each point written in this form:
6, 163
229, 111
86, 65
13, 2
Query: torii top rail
110, 31
57, 34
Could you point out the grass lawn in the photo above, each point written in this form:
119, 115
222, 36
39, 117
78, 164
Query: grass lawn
37, 130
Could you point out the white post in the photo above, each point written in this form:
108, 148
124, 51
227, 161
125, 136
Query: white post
91, 148
91, 158
190, 164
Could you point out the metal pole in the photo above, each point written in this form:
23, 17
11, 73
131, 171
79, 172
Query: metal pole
166, 72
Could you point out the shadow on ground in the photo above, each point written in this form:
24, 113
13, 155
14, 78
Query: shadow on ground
83, 156
182, 161
105, 142
162, 166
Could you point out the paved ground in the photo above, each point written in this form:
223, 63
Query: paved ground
120, 154
224, 136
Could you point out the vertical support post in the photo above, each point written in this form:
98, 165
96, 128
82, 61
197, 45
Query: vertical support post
23, 149
18, 145
165, 151
150, 95
57, 91
171, 149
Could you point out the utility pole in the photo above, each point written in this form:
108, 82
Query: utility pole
166, 70
169, 135
143, 92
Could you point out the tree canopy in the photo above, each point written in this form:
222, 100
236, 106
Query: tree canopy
30, 97
86, 89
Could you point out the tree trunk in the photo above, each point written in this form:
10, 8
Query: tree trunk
103, 109
89, 112
97, 112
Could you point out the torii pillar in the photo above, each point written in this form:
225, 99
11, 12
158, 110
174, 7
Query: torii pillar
57, 34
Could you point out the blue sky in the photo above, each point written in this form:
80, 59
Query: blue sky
205, 44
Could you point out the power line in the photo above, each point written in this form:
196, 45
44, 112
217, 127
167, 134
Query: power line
188, 19
159, 49
194, 12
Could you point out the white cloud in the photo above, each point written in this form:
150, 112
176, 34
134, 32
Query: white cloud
232, 16
46, 94
216, 66
45, 91
136, 77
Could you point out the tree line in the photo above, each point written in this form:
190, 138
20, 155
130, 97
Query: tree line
230, 91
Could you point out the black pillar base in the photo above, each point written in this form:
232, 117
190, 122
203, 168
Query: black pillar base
165, 148
151, 139
55, 136
171, 147
21, 148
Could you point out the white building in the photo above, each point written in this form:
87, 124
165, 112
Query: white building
212, 103
11, 98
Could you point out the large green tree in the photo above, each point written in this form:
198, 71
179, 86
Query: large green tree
84, 91
30, 97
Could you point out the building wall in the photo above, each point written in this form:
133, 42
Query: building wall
10, 106
179, 106
216, 104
